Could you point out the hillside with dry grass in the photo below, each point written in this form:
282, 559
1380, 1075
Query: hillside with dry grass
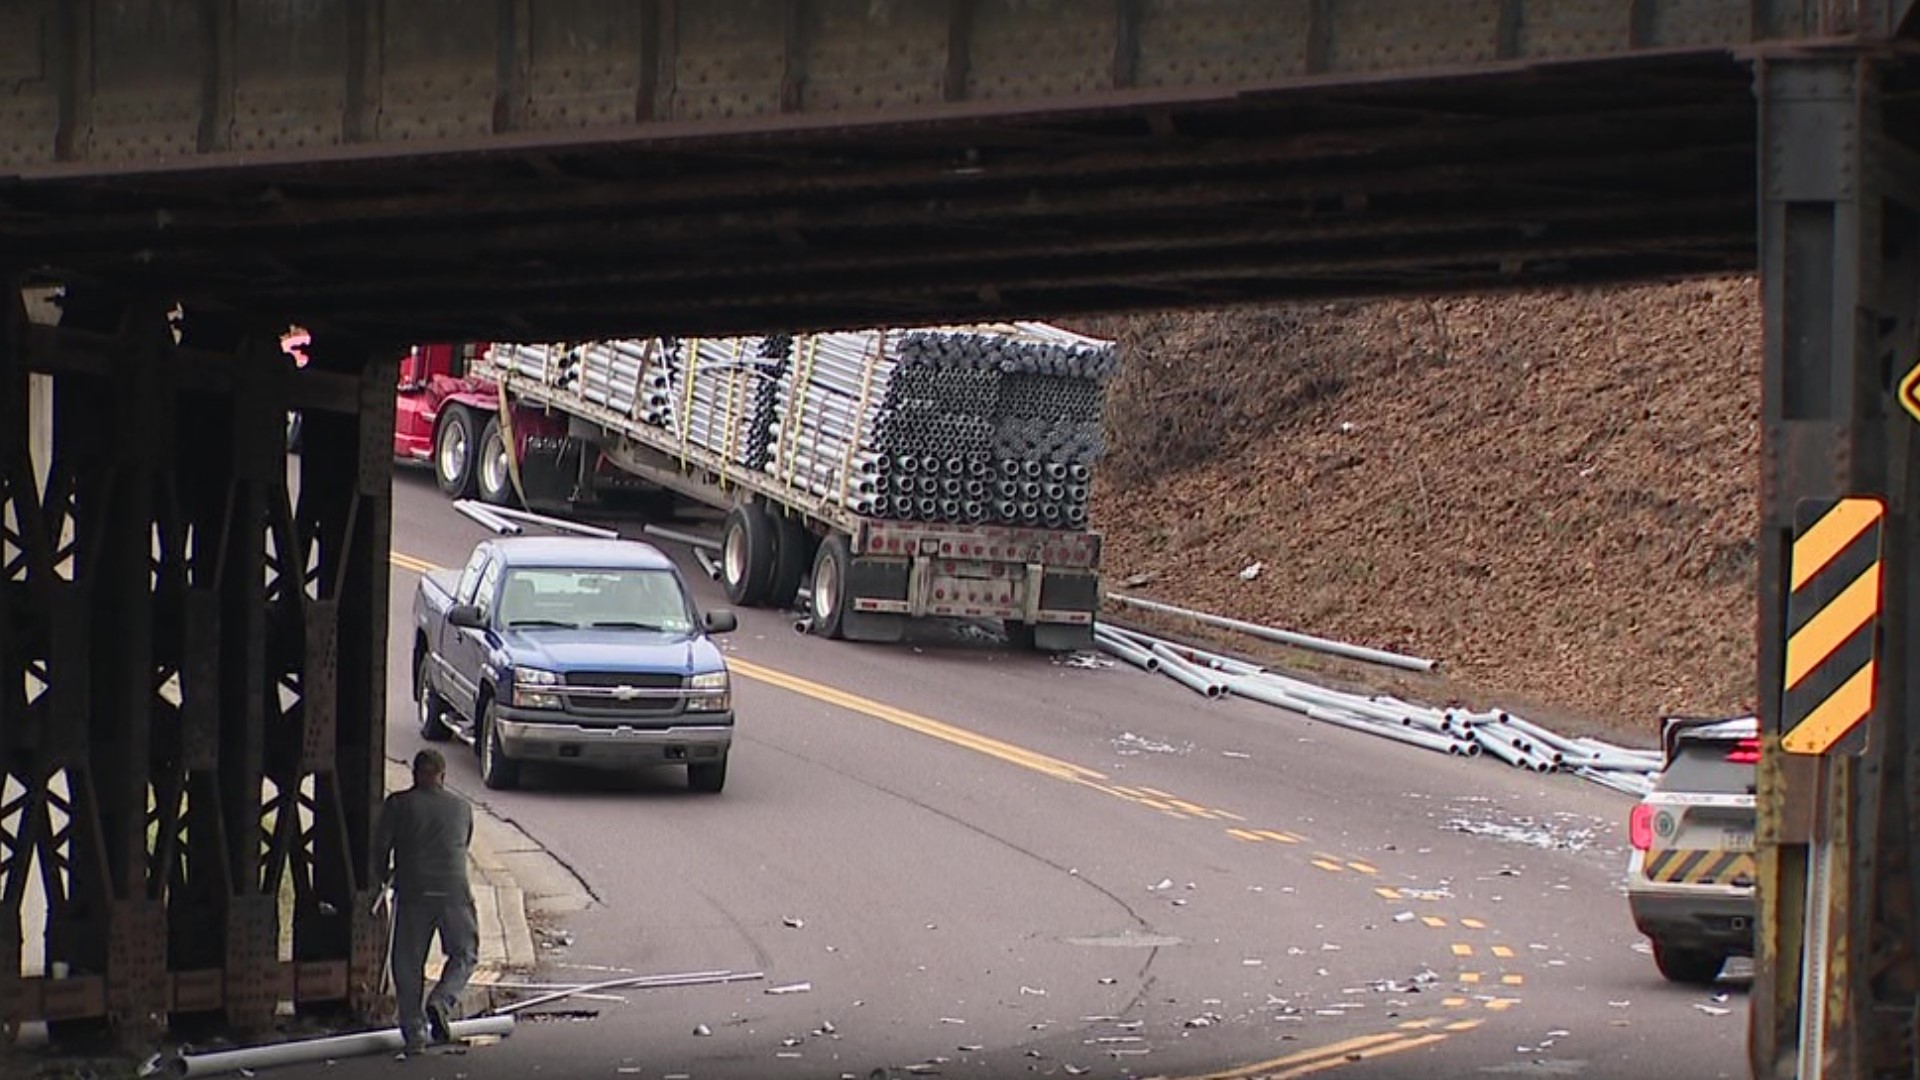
1555, 494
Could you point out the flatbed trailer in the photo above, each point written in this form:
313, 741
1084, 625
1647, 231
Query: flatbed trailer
869, 573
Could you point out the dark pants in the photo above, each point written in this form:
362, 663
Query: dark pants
415, 921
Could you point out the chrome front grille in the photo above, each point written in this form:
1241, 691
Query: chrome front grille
623, 692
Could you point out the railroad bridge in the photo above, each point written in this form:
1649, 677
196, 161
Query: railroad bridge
192, 630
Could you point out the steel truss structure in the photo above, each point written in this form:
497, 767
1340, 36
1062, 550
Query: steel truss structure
192, 672
192, 641
1840, 259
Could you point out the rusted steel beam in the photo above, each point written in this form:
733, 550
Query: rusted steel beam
371, 62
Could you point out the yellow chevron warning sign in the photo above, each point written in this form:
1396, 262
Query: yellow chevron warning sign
1833, 617
1909, 392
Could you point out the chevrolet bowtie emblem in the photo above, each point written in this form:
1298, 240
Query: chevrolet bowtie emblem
625, 693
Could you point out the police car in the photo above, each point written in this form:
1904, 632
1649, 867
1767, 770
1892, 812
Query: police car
1691, 874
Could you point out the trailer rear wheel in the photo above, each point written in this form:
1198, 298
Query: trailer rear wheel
453, 453
792, 554
747, 554
494, 479
830, 592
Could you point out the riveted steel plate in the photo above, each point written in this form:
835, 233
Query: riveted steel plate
144, 108
289, 75
68, 999
30, 109
580, 79
1575, 28
252, 965
1026, 50
1675, 23
200, 680
862, 55
1391, 35
137, 964
320, 688
439, 68
198, 991
1215, 41
730, 60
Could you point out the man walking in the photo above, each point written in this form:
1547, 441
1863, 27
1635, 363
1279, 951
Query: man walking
420, 846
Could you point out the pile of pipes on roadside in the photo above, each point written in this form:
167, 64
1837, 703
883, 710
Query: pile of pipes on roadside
1513, 739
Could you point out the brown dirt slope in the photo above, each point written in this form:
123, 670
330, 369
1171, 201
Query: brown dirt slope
1555, 494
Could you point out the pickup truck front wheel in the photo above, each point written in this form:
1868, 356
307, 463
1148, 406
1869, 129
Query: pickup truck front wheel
708, 777
497, 771
432, 710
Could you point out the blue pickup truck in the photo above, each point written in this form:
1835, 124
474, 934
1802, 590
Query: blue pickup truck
572, 650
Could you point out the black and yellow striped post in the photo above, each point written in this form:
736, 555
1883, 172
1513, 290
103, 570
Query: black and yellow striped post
1833, 621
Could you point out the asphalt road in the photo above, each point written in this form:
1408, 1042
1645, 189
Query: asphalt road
988, 863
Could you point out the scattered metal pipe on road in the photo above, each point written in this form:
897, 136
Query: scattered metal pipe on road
1462, 732
634, 982
707, 563
1125, 649
678, 537
220, 1062
1285, 637
1188, 675
558, 524
483, 515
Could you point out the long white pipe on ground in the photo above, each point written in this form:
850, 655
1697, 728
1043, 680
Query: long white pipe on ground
303, 1051
1285, 637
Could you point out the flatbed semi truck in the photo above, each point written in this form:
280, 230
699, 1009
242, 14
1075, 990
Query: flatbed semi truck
936, 472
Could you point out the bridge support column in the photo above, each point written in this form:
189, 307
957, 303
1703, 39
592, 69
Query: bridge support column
192, 673
1840, 265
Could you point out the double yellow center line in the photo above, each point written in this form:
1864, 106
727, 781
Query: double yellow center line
924, 725
1346, 1052
1304, 1063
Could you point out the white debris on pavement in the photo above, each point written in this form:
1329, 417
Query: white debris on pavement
1129, 744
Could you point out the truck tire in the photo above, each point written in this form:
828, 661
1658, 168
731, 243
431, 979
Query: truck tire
747, 554
497, 770
707, 777
454, 453
491, 475
792, 555
831, 595
432, 708
1020, 635
1692, 967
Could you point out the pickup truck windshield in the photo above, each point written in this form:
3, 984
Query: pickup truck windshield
606, 599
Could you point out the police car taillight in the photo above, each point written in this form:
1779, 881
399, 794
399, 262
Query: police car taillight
1640, 827
1745, 752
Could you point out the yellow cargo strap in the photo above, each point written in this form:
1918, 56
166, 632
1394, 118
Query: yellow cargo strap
686, 399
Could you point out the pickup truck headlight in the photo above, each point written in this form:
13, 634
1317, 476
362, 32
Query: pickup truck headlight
527, 692
711, 692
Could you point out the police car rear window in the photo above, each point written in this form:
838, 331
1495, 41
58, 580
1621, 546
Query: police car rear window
1702, 767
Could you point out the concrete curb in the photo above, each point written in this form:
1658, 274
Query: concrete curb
511, 873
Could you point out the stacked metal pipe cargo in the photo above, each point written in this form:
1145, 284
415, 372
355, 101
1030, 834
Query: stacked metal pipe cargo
982, 424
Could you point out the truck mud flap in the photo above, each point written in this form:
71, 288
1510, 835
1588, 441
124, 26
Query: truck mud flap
875, 579
1062, 637
1069, 592
550, 470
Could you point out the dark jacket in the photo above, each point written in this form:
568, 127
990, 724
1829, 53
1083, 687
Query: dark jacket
423, 835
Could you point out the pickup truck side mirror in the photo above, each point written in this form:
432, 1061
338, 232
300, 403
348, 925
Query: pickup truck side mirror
720, 622
467, 616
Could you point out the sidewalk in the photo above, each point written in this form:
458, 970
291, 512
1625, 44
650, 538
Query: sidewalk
511, 873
